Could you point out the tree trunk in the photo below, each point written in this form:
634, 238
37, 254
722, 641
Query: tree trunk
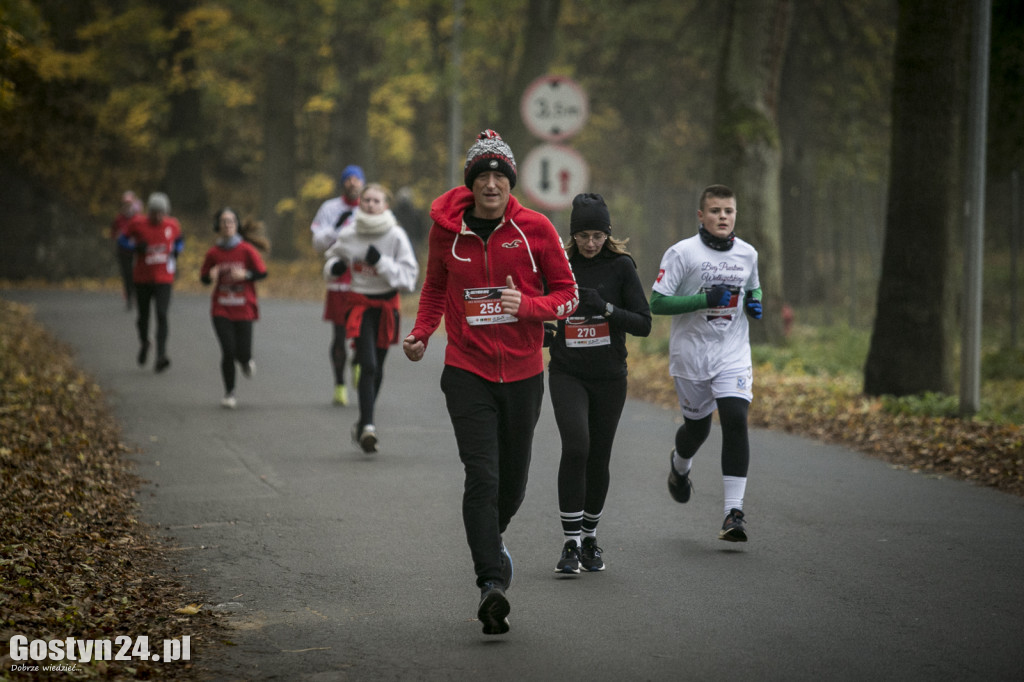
538, 49
913, 339
356, 50
747, 151
183, 179
277, 186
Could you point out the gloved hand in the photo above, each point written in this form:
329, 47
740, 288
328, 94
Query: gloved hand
339, 267
372, 255
591, 302
753, 306
718, 296
550, 332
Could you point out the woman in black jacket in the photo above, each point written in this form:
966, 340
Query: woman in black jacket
587, 374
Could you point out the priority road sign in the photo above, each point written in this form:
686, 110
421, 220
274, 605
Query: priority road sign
553, 174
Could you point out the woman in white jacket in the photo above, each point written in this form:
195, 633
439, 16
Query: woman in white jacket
377, 253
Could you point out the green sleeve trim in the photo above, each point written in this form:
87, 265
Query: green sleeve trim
755, 293
677, 305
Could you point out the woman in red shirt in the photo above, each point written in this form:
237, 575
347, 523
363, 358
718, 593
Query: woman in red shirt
234, 264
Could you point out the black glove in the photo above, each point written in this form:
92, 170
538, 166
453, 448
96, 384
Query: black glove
753, 306
141, 247
339, 268
550, 332
372, 255
718, 296
591, 302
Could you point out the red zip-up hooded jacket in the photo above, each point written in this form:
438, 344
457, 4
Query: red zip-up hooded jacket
526, 246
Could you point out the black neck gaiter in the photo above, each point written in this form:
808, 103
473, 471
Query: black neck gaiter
716, 243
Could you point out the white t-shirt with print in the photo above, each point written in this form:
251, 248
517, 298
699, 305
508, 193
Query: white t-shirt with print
708, 342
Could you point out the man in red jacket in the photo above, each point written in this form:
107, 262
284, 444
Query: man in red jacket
495, 272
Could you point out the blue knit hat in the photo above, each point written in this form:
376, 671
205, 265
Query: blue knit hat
350, 171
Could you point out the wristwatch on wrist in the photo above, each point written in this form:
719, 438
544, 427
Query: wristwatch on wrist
608, 308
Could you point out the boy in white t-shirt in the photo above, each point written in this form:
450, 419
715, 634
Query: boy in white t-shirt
707, 282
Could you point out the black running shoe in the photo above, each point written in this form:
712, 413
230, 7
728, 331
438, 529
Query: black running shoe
570, 561
143, 353
162, 364
493, 609
732, 527
590, 555
679, 486
507, 569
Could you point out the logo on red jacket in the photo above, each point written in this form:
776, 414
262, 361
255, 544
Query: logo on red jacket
661, 273
514, 244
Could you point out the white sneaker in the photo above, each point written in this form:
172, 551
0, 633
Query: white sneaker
368, 439
249, 369
229, 402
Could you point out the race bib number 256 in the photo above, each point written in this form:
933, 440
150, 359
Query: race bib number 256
483, 306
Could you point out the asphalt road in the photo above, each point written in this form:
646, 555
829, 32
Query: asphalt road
333, 565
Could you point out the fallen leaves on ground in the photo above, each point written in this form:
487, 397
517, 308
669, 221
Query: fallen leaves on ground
832, 409
74, 559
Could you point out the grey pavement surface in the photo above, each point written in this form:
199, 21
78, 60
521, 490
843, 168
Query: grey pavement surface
332, 565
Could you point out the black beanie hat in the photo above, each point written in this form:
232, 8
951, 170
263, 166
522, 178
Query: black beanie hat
589, 212
490, 153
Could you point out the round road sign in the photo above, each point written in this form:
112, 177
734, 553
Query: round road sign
554, 108
553, 174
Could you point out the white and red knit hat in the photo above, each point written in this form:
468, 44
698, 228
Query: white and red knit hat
490, 153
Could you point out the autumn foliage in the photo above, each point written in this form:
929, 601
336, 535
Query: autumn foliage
833, 409
74, 559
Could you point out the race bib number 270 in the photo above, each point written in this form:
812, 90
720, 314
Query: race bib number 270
585, 332
483, 306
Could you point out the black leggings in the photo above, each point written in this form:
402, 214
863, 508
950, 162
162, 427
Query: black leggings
126, 263
732, 412
587, 414
370, 359
235, 338
338, 354
162, 294
494, 424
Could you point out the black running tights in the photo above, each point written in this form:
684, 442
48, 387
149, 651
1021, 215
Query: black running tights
235, 338
587, 414
732, 412
338, 354
370, 359
145, 294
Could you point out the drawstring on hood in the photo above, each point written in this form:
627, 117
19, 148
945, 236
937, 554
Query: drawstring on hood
533, 263
465, 230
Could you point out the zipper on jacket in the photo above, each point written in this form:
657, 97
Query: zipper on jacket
487, 280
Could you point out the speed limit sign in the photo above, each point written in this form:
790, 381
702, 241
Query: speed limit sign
554, 108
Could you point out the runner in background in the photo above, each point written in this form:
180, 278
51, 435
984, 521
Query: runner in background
333, 215
157, 241
376, 252
234, 265
130, 207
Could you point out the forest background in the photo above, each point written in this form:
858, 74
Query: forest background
841, 123
796, 103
